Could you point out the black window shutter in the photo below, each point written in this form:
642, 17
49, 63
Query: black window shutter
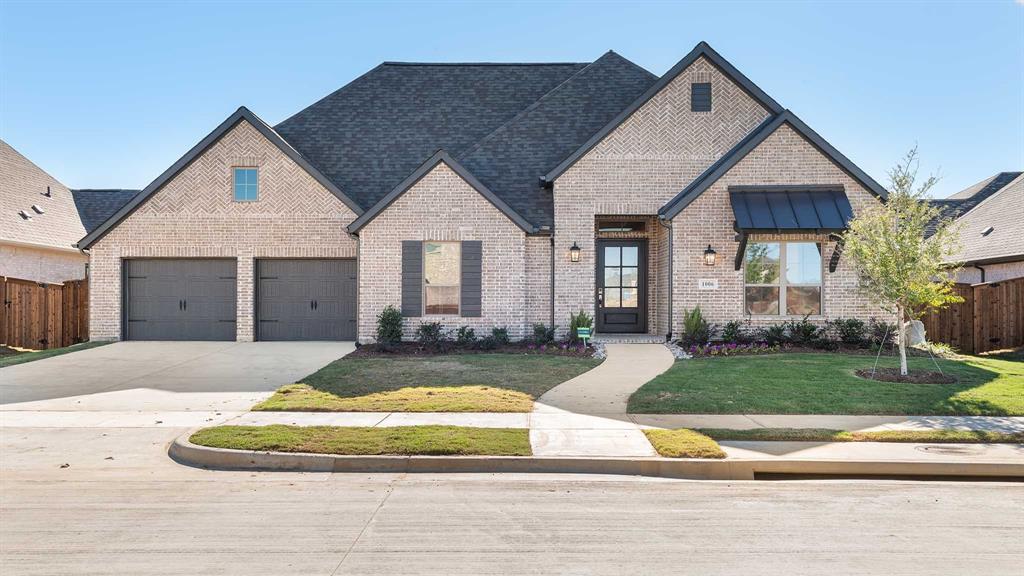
412, 278
472, 259
700, 97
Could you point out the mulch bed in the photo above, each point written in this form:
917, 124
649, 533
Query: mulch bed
415, 349
914, 377
5, 351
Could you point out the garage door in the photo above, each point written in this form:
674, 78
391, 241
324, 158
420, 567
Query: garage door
306, 300
180, 299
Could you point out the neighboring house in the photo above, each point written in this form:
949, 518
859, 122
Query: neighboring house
990, 215
39, 224
490, 195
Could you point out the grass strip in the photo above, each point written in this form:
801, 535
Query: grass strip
828, 435
367, 441
304, 398
684, 443
21, 358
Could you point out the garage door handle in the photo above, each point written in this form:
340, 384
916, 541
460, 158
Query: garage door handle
185, 302
316, 304
181, 305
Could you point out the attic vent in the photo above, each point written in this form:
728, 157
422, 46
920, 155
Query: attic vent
987, 231
24, 215
47, 193
37, 209
700, 97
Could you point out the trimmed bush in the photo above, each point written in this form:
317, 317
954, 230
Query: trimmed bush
389, 326
847, 330
465, 336
542, 334
430, 335
500, 336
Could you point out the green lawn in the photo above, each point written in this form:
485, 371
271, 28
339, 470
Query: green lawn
826, 435
683, 443
11, 359
365, 441
825, 383
449, 383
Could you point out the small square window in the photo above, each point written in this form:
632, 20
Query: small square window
246, 184
700, 97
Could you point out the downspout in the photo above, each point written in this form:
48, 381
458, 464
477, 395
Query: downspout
982, 271
552, 280
671, 274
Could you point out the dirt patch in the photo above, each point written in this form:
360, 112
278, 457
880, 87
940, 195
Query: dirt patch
914, 377
7, 351
415, 349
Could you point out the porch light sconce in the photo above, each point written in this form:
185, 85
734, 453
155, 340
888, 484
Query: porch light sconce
710, 256
574, 253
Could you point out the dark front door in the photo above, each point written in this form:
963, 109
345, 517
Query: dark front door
306, 300
179, 299
621, 286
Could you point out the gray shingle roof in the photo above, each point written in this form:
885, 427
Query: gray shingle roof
967, 199
371, 134
96, 205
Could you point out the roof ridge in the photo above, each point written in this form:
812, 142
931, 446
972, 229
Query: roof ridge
533, 106
399, 63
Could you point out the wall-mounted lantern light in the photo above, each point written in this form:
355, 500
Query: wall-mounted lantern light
710, 256
574, 253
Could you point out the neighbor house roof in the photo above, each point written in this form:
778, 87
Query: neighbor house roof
989, 219
96, 205
507, 123
965, 200
52, 220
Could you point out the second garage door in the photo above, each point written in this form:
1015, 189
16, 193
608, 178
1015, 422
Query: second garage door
306, 300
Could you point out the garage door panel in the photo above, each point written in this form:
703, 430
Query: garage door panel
180, 299
305, 299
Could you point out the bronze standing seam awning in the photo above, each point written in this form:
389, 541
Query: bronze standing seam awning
789, 209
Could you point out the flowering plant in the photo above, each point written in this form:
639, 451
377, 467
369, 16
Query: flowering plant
731, 349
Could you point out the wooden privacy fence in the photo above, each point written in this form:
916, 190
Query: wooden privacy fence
991, 317
40, 316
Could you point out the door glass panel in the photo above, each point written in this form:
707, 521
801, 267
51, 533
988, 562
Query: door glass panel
612, 298
612, 277
611, 256
629, 298
630, 255
630, 276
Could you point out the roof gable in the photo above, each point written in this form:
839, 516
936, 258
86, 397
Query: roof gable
748, 144
424, 169
242, 114
701, 50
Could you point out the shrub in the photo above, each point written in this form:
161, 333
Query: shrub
465, 336
542, 334
430, 335
696, 329
735, 332
500, 336
731, 349
803, 333
881, 333
847, 330
772, 335
581, 320
487, 343
389, 326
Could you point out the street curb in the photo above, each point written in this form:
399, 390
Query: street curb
187, 453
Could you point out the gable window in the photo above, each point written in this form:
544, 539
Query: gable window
441, 277
782, 276
246, 184
700, 97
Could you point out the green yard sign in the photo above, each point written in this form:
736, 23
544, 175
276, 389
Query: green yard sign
583, 334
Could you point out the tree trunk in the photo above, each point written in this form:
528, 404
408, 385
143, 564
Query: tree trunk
901, 331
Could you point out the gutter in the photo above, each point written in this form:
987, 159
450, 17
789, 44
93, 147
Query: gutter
667, 225
982, 271
72, 249
552, 306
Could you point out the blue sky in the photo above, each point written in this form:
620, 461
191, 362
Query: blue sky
111, 94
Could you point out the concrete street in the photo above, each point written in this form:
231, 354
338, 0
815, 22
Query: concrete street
140, 513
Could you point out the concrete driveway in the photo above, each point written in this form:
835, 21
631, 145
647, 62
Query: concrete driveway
163, 375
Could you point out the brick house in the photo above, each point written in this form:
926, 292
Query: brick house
490, 195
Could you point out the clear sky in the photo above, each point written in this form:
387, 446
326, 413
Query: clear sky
111, 94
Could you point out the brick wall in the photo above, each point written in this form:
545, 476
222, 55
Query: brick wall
783, 158
442, 206
639, 167
194, 215
40, 264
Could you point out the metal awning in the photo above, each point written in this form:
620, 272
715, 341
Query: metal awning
780, 209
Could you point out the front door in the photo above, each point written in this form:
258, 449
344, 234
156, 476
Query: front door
621, 286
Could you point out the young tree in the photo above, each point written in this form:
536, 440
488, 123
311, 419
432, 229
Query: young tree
902, 270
